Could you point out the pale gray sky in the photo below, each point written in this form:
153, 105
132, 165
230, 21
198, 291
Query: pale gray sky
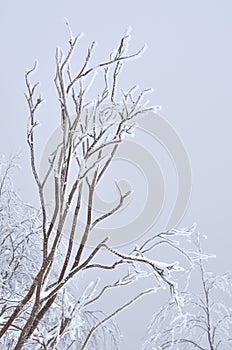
188, 63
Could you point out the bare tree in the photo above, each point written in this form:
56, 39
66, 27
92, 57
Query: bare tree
20, 228
206, 319
45, 315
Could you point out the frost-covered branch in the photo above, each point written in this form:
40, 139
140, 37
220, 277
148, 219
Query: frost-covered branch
205, 323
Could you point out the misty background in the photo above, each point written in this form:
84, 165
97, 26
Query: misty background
187, 63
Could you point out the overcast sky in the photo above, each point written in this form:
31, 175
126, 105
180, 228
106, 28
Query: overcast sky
188, 63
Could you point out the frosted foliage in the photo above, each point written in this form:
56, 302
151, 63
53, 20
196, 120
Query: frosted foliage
66, 325
205, 322
19, 244
19, 248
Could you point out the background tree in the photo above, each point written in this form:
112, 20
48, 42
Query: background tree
45, 314
206, 320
